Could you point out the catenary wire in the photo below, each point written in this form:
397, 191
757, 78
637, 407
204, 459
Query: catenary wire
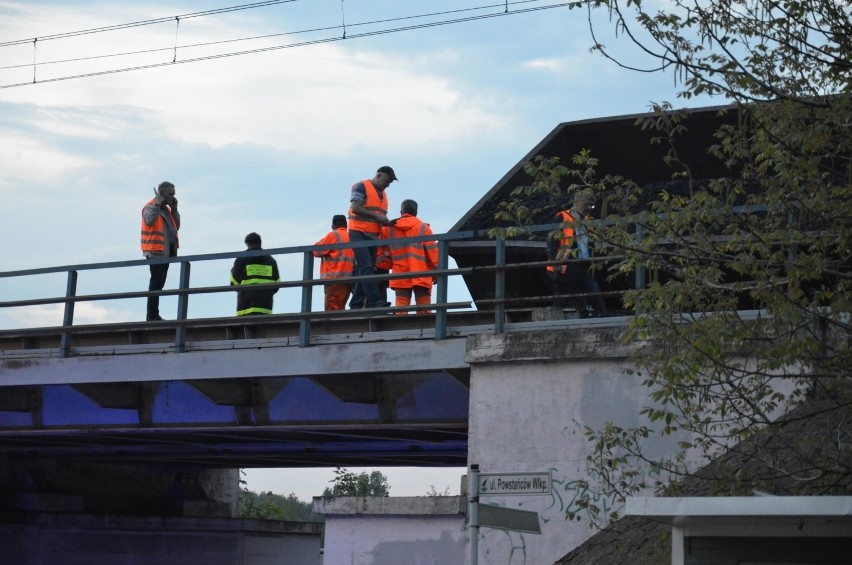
300, 44
145, 22
266, 36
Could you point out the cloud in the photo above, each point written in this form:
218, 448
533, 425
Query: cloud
51, 315
26, 157
87, 123
556, 65
323, 100
581, 68
327, 99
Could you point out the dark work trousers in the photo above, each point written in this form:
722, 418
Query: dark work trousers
365, 294
382, 285
157, 282
578, 280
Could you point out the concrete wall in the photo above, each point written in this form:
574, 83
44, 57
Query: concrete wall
123, 540
531, 396
393, 530
93, 487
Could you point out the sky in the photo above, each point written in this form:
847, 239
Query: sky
271, 141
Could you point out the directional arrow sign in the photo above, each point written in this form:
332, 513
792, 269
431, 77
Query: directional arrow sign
514, 483
508, 519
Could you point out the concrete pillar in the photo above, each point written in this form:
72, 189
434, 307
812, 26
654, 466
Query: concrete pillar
531, 396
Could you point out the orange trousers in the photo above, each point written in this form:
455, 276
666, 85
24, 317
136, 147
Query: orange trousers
336, 296
421, 296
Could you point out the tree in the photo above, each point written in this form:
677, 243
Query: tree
347, 483
775, 235
270, 506
747, 50
434, 492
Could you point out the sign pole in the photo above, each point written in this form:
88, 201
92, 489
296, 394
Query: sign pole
473, 513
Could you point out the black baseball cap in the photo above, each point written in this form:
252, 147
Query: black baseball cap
389, 171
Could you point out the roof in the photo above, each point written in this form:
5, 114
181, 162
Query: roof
754, 516
622, 149
680, 510
804, 433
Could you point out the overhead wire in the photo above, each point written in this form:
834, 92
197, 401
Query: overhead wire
267, 36
153, 21
287, 46
156, 49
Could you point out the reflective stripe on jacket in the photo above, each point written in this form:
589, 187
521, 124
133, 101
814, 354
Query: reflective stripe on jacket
413, 257
153, 240
254, 270
336, 263
565, 243
377, 203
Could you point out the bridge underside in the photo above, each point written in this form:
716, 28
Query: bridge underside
417, 419
359, 400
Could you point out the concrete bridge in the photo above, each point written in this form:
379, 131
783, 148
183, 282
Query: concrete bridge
96, 429
154, 418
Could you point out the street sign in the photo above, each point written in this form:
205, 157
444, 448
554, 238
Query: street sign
494, 484
509, 519
489, 516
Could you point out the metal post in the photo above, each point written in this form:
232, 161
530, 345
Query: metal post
640, 269
441, 313
183, 308
678, 550
500, 284
473, 513
68, 318
307, 296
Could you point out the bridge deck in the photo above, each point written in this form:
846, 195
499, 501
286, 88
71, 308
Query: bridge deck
280, 329
370, 390
300, 388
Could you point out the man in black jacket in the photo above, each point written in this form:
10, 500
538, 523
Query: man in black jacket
260, 269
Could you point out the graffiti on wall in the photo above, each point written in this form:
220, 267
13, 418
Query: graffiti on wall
565, 503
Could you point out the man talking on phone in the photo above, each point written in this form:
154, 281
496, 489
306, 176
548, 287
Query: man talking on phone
160, 225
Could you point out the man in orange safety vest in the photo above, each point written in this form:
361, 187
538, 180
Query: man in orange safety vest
414, 257
160, 225
367, 214
570, 245
336, 263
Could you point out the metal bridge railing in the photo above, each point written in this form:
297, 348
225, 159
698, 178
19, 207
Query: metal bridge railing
305, 315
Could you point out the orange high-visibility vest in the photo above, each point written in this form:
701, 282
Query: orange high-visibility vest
336, 263
383, 254
153, 236
375, 203
414, 257
565, 242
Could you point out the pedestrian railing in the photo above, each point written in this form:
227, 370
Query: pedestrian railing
307, 283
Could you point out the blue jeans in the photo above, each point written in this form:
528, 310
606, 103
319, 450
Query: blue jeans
365, 294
